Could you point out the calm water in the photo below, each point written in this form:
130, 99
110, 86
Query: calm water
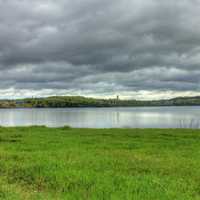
143, 117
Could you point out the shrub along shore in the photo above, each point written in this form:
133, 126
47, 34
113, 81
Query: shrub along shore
66, 163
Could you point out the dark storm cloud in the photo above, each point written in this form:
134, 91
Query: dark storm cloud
100, 46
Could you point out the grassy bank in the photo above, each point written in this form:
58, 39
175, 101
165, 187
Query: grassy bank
42, 163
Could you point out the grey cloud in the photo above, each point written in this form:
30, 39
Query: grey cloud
101, 46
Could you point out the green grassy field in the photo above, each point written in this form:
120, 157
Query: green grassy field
66, 163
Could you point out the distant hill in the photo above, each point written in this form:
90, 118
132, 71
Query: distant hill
79, 101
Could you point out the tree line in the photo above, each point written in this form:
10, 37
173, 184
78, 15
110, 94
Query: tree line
79, 101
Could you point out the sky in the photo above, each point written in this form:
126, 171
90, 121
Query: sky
139, 49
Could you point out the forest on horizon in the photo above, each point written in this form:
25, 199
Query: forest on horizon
79, 101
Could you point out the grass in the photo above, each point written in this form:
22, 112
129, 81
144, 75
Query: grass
39, 163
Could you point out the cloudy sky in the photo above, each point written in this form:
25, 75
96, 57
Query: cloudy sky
143, 49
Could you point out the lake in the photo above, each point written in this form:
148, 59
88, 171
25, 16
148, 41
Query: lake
129, 117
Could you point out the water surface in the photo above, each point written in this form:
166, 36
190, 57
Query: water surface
135, 117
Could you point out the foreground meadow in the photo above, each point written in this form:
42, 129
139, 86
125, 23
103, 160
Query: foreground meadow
65, 163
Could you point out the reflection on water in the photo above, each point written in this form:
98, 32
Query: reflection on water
143, 117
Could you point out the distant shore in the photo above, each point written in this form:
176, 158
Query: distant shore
79, 101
